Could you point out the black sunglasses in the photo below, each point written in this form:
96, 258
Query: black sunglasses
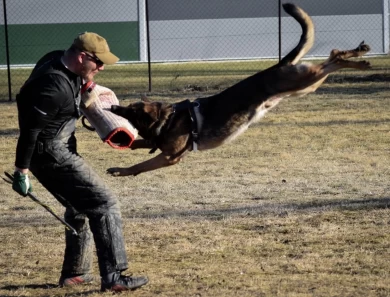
95, 59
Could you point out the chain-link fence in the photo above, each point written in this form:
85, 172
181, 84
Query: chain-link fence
220, 41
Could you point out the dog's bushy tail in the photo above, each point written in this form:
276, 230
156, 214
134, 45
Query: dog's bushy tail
307, 37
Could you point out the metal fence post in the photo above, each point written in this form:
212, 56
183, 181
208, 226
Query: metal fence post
148, 44
280, 28
7, 50
386, 16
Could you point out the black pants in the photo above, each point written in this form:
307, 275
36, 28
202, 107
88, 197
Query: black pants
90, 207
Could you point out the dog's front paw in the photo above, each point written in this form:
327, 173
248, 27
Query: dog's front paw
365, 65
116, 171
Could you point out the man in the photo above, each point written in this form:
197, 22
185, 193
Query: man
48, 107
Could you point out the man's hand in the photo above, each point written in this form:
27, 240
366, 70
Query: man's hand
21, 183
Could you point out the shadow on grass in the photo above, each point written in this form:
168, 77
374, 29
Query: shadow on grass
9, 132
280, 209
13, 288
376, 78
326, 124
261, 208
333, 89
35, 286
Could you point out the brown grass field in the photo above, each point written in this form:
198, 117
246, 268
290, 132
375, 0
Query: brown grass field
298, 206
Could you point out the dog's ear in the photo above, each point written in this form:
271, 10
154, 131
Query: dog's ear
157, 111
164, 112
144, 98
154, 111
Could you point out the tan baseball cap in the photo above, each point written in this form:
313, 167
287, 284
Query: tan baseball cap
95, 44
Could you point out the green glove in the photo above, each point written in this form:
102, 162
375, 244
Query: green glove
21, 183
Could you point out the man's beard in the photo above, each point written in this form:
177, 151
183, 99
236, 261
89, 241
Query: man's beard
86, 74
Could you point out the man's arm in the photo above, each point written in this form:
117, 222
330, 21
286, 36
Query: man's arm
37, 107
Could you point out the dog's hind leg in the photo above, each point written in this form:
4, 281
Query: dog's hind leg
336, 56
315, 75
338, 60
339, 63
152, 164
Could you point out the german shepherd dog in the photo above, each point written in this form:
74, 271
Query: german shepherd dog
212, 121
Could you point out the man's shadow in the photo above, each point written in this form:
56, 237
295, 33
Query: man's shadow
13, 288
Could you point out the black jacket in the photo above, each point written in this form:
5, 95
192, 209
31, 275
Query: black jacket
45, 102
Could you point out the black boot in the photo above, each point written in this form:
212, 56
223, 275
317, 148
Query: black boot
121, 283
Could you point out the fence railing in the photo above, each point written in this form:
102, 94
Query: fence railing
145, 33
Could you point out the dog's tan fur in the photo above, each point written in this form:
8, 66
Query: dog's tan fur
228, 114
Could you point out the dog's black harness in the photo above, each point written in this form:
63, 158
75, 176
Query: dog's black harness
192, 109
